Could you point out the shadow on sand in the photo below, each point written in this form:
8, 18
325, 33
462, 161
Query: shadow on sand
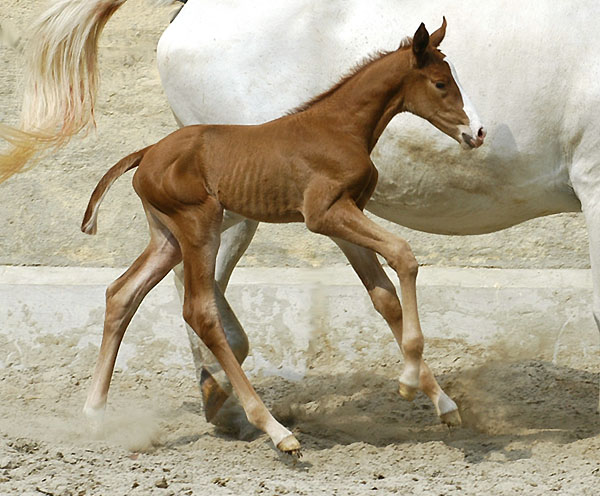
501, 403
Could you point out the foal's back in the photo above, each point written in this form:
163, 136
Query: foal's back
265, 172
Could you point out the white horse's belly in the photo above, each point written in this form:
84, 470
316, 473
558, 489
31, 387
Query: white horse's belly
249, 62
429, 184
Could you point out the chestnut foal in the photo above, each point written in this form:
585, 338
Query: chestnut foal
311, 166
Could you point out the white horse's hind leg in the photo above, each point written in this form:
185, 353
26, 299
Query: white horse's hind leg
386, 302
236, 234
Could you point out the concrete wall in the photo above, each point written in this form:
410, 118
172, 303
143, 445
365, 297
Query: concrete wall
300, 319
41, 209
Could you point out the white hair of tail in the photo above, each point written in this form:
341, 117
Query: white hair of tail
60, 80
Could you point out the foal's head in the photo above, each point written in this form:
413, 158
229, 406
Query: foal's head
432, 91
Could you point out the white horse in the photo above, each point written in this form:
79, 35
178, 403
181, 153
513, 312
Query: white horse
531, 68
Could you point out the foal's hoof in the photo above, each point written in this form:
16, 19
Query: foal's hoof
451, 419
95, 421
213, 395
407, 392
290, 445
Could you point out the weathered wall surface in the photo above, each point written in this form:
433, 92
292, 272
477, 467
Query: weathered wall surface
40, 210
300, 319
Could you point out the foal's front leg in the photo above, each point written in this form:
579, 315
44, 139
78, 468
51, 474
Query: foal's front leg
385, 300
344, 220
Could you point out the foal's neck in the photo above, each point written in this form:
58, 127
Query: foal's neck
365, 103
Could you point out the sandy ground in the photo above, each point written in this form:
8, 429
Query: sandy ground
530, 427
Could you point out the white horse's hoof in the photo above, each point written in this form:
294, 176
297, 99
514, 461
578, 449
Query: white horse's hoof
213, 395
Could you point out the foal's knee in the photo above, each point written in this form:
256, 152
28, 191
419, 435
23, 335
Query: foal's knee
403, 261
413, 346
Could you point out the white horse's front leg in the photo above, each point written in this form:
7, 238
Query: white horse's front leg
585, 178
592, 219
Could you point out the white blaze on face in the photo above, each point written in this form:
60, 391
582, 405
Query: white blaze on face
474, 121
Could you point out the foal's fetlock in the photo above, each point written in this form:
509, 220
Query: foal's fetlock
262, 419
408, 384
407, 392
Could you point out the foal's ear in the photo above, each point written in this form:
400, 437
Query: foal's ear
420, 43
437, 36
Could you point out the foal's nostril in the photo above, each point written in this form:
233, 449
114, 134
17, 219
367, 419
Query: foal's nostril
481, 133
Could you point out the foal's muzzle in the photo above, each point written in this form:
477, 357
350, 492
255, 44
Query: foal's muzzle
474, 142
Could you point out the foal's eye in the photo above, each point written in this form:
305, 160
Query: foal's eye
440, 86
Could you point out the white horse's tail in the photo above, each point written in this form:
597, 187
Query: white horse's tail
61, 79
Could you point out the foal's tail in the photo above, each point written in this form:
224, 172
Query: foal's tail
89, 224
60, 79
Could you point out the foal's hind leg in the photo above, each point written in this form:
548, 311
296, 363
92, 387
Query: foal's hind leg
214, 384
237, 232
122, 300
198, 230
386, 302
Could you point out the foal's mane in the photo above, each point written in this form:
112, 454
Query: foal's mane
363, 64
